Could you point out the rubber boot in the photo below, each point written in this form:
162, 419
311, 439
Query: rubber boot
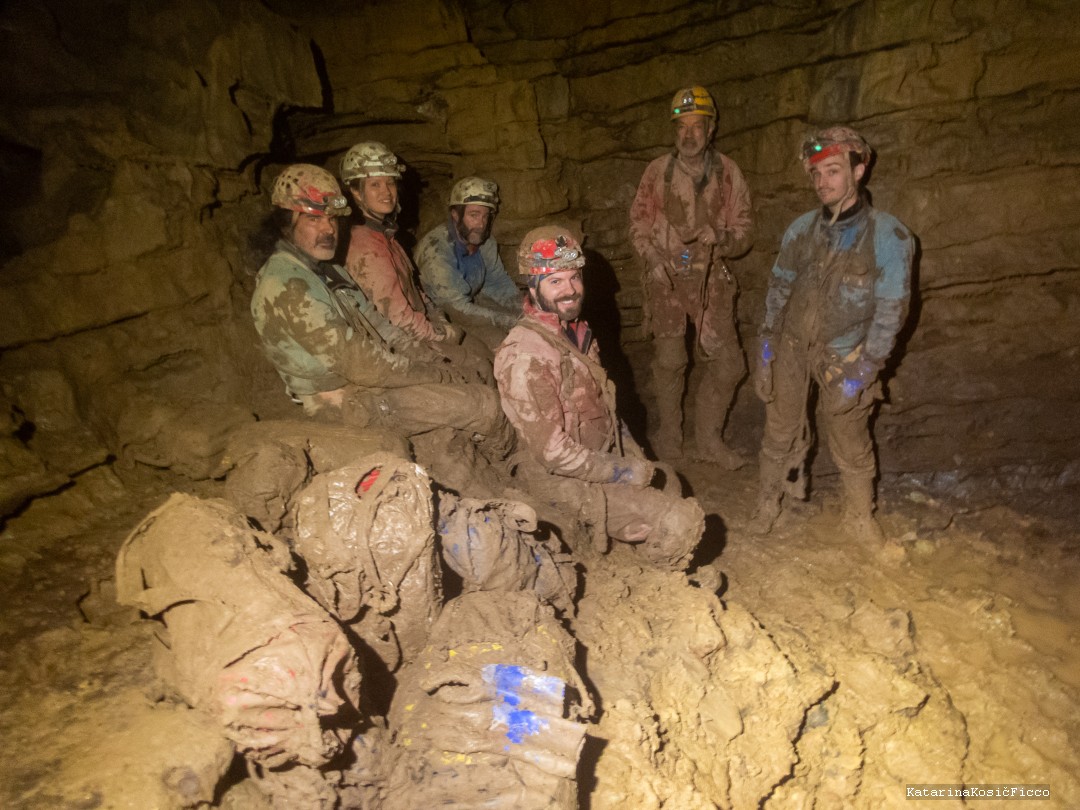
859, 520
770, 493
669, 379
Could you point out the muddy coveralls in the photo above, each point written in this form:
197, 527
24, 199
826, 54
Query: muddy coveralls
838, 295
671, 205
377, 262
474, 288
343, 361
556, 395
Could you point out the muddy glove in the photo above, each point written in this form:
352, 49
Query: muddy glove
637, 472
763, 379
857, 375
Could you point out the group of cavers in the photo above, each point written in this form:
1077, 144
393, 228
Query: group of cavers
375, 341
452, 344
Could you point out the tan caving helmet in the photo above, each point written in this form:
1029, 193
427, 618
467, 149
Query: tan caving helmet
475, 191
370, 159
309, 189
833, 141
693, 101
548, 249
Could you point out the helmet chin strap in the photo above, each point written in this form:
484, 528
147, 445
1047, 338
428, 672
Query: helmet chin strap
854, 193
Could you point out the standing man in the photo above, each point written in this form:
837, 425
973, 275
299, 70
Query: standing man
562, 404
691, 213
336, 354
460, 268
837, 298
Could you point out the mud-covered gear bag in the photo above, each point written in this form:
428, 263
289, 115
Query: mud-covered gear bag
236, 637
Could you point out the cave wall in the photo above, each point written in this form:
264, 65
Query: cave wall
137, 138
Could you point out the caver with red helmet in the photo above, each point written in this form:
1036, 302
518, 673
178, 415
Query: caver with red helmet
548, 249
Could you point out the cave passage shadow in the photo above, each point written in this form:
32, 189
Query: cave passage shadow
602, 312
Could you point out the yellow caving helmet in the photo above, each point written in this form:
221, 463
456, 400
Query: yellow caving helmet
693, 101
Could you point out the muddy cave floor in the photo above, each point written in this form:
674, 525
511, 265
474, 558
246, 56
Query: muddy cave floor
991, 591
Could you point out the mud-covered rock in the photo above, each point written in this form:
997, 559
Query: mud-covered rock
701, 707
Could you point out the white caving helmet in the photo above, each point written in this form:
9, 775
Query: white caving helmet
370, 159
475, 191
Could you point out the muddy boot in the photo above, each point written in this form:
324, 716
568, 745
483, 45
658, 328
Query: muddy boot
669, 378
858, 518
770, 493
713, 449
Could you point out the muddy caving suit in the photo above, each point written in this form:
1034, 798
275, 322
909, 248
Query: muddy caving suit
671, 205
345, 362
837, 292
556, 395
378, 264
473, 287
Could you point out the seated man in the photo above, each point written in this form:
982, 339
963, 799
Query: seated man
460, 266
337, 355
377, 262
559, 399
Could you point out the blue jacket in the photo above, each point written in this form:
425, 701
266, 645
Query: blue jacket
453, 278
841, 286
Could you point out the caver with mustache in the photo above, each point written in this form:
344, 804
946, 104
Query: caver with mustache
336, 353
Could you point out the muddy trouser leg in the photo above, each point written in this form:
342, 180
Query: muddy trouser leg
479, 329
472, 409
786, 439
666, 526
667, 315
724, 367
669, 379
847, 430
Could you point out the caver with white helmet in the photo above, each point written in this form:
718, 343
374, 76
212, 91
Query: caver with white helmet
371, 171
690, 217
475, 191
460, 266
379, 265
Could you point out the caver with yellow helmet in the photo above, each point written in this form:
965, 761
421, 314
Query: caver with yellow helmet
690, 217
460, 267
838, 297
577, 453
